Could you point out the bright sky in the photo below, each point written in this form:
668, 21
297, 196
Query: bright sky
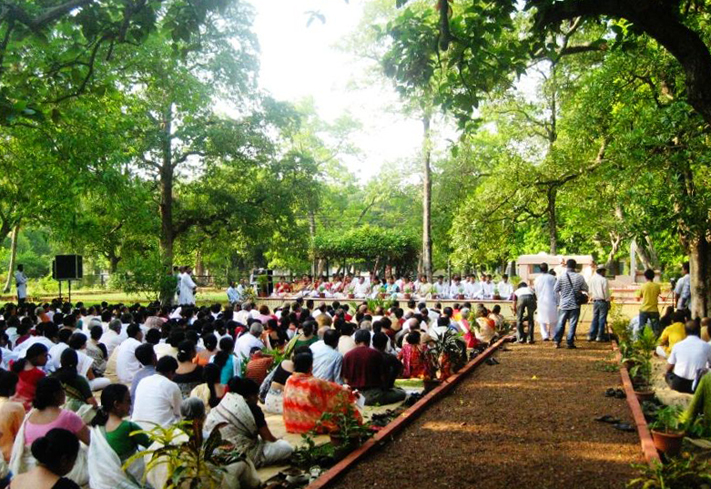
299, 61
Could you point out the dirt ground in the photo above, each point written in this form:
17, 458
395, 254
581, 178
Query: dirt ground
525, 423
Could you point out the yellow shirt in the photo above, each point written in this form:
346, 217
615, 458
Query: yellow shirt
671, 336
649, 292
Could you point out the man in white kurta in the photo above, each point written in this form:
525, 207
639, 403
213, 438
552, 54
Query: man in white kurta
505, 287
187, 289
21, 284
440, 288
547, 302
362, 289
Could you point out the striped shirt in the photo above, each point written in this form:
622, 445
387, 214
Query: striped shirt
567, 289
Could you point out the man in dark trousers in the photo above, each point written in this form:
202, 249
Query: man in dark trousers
525, 306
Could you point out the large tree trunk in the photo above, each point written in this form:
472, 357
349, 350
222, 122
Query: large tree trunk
552, 220
427, 202
13, 258
113, 262
167, 235
700, 272
312, 234
615, 241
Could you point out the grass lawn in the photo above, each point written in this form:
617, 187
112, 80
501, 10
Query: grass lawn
90, 297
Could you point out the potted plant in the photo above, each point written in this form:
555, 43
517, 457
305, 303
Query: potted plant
641, 375
497, 295
346, 431
460, 293
667, 431
263, 285
351, 292
322, 291
446, 354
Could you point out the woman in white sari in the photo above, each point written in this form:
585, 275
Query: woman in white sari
242, 423
113, 443
46, 416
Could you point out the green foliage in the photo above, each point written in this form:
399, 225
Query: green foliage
145, 276
678, 473
308, 454
190, 460
446, 353
367, 243
668, 419
347, 426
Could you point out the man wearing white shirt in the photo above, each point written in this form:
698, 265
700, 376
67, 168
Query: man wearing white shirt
688, 357
245, 343
487, 287
232, 294
683, 288
362, 289
21, 284
187, 289
547, 302
599, 291
126, 362
158, 398
113, 336
525, 306
440, 288
456, 288
505, 287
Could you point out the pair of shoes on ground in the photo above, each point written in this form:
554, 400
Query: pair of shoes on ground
615, 422
598, 340
491, 361
616, 393
569, 346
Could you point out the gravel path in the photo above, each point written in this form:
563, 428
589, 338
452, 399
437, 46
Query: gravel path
526, 423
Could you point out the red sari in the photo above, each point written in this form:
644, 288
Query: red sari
414, 362
27, 385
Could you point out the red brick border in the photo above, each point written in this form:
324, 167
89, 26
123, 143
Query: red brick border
395, 426
645, 437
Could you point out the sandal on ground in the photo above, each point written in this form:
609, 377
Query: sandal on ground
610, 392
624, 427
620, 394
607, 419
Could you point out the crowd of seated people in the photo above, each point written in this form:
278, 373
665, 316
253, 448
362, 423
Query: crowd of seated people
156, 366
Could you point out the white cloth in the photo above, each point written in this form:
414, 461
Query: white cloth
505, 289
105, 467
111, 340
689, 356
522, 292
441, 289
547, 299
487, 290
157, 401
457, 288
55, 354
21, 349
244, 346
187, 290
21, 284
127, 365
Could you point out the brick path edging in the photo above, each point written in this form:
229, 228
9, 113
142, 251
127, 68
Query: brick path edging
399, 423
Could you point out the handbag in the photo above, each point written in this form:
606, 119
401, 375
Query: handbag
580, 296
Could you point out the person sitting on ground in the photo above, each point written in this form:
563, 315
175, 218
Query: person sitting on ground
97, 350
496, 316
393, 367
485, 329
203, 356
225, 359
189, 374
114, 441
126, 363
147, 357
672, 334
364, 370
78, 393
241, 423
328, 362
11, 413
29, 372
306, 398
47, 415
307, 337
211, 391
414, 358
248, 341
346, 342
272, 389
158, 398
687, 359
258, 365
56, 454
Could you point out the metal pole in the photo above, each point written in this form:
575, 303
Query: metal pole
60, 289
69, 282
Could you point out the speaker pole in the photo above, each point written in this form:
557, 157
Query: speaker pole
69, 282
60, 289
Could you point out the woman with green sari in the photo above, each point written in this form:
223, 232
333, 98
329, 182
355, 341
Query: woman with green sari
79, 398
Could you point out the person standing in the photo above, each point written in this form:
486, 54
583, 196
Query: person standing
525, 304
683, 288
569, 285
600, 295
544, 286
187, 289
21, 284
232, 294
649, 308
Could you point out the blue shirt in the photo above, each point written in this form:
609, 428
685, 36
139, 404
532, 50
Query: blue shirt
146, 371
327, 362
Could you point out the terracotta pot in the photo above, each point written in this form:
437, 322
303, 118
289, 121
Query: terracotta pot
407, 296
338, 441
644, 396
628, 364
383, 296
261, 294
497, 297
351, 296
460, 297
321, 295
431, 384
668, 443
434, 296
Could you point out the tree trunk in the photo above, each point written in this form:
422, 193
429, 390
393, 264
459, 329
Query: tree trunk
700, 272
13, 258
552, 220
312, 234
615, 241
427, 202
113, 263
644, 257
167, 235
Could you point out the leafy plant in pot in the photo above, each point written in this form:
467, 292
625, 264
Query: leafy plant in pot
667, 430
641, 372
446, 354
263, 283
349, 431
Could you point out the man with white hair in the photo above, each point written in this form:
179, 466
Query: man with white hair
245, 343
113, 337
